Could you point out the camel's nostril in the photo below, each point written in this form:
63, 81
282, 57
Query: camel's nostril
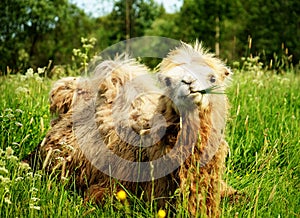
188, 79
186, 82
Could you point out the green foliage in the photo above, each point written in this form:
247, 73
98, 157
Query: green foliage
200, 22
164, 26
271, 24
35, 32
141, 14
25, 22
84, 55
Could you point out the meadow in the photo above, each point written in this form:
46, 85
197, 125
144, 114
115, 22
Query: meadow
263, 133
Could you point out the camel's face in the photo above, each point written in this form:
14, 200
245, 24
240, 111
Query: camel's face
192, 81
194, 76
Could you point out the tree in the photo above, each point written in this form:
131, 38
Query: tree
140, 16
25, 23
164, 26
202, 20
35, 31
60, 42
273, 25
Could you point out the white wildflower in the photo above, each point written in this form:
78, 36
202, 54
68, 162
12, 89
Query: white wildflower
88, 46
8, 110
33, 189
23, 78
9, 116
24, 166
9, 151
13, 158
83, 40
3, 171
4, 180
93, 40
20, 90
84, 56
41, 70
19, 111
76, 52
7, 200
19, 124
29, 73
35, 199
19, 178
32, 206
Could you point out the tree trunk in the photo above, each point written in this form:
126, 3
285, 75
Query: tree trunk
128, 7
217, 37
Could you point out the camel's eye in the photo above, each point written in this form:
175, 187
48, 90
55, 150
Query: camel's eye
212, 79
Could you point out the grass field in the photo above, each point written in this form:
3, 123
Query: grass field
263, 133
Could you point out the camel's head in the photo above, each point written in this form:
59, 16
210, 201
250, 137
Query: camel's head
193, 73
196, 82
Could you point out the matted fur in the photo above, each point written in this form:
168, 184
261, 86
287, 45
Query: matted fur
199, 177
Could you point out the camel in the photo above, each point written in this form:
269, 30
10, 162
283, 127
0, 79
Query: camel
151, 134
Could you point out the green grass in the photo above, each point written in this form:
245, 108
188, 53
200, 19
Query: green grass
263, 135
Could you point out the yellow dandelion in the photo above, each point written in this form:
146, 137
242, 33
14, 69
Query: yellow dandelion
121, 195
161, 213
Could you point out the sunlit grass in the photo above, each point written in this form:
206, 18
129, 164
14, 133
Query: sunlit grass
264, 137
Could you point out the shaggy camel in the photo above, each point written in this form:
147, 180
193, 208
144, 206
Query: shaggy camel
150, 133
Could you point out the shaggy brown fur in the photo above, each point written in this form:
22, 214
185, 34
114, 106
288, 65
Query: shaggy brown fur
86, 114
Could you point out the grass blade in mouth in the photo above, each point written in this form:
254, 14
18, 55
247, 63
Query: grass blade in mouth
210, 90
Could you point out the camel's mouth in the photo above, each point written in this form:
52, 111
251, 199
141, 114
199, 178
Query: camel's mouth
201, 97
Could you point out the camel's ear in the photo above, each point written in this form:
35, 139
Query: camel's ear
61, 95
226, 73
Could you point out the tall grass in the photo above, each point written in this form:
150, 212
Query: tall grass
264, 137
262, 132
